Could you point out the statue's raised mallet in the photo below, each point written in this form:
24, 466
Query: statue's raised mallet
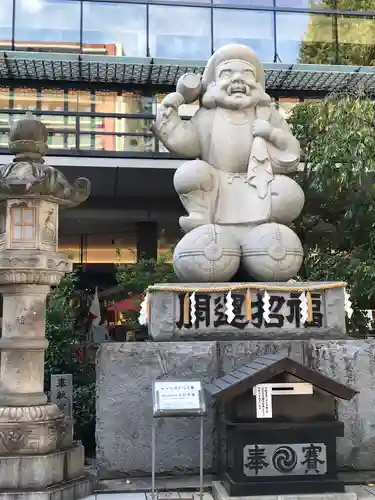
190, 87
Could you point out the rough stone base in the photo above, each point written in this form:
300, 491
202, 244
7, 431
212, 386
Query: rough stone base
220, 493
75, 489
41, 471
125, 373
124, 401
351, 362
54, 476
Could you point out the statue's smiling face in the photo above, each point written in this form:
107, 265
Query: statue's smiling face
236, 83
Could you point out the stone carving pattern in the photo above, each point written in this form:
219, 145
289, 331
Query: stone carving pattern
32, 437
37, 261
39, 278
36, 413
13, 440
49, 228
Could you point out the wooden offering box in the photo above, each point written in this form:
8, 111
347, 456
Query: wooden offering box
281, 428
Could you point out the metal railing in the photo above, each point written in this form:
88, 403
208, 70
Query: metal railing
91, 133
88, 133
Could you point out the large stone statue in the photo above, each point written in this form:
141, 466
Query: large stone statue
238, 198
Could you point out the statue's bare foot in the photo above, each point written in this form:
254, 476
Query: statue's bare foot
192, 221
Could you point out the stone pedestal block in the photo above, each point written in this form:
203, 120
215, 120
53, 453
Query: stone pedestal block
220, 493
124, 402
76, 489
23, 344
54, 476
351, 362
233, 353
125, 372
168, 321
41, 471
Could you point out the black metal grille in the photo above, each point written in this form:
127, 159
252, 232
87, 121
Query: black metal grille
163, 74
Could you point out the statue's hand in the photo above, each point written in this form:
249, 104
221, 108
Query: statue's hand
170, 105
173, 100
261, 128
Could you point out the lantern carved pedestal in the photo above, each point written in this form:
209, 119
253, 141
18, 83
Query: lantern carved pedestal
38, 458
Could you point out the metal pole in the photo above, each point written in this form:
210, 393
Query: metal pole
201, 454
153, 443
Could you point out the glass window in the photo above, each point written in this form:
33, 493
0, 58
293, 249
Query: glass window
102, 248
252, 28
3, 139
47, 25
356, 40
109, 142
80, 100
6, 11
4, 98
180, 32
305, 38
24, 99
307, 4
23, 223
55, 101
246, 3
61, 141
52, 100
114, 28
195, 1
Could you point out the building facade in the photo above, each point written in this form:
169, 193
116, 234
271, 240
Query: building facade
95, 72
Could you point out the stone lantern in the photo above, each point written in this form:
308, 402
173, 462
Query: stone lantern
37, 454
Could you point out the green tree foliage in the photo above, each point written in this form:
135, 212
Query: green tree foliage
61, 358
337, 225
135, 278
355, 35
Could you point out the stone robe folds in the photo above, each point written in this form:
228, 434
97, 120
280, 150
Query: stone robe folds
244, 173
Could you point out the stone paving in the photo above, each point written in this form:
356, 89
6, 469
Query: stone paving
363, 492
167, 495
362, 483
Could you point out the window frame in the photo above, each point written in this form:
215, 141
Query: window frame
23, 225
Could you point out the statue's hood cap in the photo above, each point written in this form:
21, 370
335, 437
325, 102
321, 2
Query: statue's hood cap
229, 53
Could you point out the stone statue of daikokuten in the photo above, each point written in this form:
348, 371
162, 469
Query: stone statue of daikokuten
235, 189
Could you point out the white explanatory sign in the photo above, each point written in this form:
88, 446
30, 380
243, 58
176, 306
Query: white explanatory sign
263, 400
177, 396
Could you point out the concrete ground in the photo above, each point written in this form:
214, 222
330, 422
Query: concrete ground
363, 492
147, 496
186, 488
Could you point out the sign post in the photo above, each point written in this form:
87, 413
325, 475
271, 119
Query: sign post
62, 393
178, 398
62, 396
